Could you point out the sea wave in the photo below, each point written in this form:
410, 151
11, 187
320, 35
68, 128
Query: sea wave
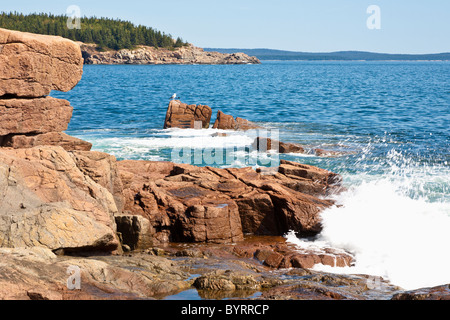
395, 223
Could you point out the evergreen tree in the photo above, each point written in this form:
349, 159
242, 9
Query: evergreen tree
105, 32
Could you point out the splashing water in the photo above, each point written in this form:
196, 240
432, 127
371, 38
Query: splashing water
395, 223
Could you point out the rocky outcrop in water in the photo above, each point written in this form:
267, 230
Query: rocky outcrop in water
182, 115
228, 122
191, 272
185, 203
150, 55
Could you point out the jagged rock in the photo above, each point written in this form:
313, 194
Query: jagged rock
102, 168
228, 122
267, 144
32, 65
41, 115
203, 113
218, 222
46, 200
181, 115
180, 200
61, 139
244, 124
308, 172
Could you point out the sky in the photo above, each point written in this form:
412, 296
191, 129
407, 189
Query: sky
405, 26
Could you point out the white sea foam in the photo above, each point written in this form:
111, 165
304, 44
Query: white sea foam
392, 226
190, 138
185, 145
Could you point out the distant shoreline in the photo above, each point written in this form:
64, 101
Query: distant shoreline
281, 55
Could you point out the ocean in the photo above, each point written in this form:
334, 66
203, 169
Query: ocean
389, 121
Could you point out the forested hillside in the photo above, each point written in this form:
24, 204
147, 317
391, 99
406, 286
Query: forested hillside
105, 32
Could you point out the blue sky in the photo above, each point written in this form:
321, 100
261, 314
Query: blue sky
407, 26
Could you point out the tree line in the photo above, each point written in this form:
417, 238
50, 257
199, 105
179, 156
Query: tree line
105, 32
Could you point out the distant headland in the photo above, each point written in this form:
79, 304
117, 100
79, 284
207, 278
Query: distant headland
115, 41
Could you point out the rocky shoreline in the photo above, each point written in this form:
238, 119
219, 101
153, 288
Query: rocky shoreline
189, 54
143, 229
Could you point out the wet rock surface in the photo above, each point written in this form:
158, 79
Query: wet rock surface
187, 271
31, 66
181, 115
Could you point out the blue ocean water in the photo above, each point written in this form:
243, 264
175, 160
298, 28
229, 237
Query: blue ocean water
390, 119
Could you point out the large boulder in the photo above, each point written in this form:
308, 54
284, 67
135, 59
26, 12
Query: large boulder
38, 274
47, 200
182, 115
32, 65
266, 144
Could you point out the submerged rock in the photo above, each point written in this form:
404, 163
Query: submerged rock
228, 122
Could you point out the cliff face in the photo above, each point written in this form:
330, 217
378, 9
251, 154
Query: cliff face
150, 55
